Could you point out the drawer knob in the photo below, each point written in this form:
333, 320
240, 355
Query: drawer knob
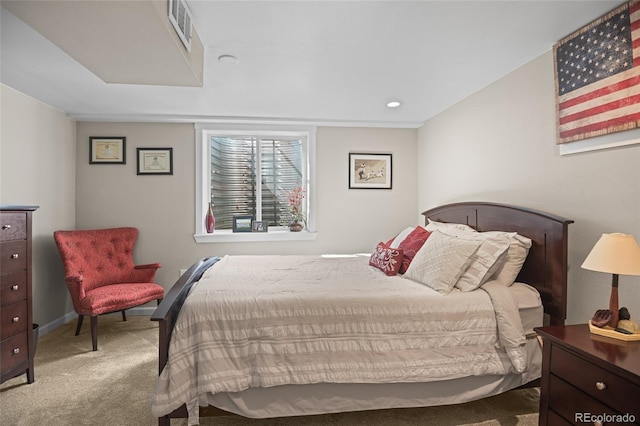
15, 256
6, 226
598, 423
16, 351
15, 319
601, 386
14, 287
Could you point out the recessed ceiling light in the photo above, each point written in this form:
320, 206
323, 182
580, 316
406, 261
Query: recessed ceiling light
394, 104
228, 59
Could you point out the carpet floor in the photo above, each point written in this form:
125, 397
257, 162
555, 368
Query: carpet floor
76, 386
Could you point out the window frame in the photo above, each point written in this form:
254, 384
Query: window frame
203, 132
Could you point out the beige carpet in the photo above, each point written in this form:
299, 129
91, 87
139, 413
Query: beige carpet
76, 386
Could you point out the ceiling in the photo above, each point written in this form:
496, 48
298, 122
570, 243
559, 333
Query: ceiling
323, 62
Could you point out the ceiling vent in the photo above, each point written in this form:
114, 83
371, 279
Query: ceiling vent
180, 17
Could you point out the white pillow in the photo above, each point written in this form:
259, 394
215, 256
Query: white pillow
401, 236
509, 266
485, 260
441, 261
432, 225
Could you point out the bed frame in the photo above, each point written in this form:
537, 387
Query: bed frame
545, 267
546, 264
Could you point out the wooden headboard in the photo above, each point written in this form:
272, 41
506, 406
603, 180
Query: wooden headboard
546, 265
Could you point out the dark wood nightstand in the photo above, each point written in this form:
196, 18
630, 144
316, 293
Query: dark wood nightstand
588, 379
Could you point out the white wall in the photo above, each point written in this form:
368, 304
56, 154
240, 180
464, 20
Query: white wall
162, 206
37, 167
499, 145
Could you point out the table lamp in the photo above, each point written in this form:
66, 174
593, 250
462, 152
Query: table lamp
615, 254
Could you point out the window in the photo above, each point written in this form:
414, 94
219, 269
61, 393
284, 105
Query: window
251, 176
248, 171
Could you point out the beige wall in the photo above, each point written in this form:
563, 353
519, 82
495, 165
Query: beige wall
162, 207
37, 167
499, 145
45, 161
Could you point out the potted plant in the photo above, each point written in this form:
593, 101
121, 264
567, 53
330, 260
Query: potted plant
296, 215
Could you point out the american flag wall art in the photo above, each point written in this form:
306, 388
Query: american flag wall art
597, 76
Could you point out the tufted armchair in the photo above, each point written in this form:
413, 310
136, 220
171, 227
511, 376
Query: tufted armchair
101, 275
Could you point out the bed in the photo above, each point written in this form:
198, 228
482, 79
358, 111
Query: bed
364, 356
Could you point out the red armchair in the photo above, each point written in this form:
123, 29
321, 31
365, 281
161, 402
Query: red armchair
101, 275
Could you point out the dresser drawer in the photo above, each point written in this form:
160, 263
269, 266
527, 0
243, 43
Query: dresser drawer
13, 226
13, 319
13, 351
596, 382
572, 404
13, 256
554, 419
13, 288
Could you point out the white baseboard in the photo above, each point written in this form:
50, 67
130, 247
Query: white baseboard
43, 329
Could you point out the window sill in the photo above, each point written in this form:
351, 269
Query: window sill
226, 236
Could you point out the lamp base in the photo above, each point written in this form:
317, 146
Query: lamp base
610, 332
613, 301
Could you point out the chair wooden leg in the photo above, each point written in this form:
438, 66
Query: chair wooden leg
94, 332
124, 316
79, 326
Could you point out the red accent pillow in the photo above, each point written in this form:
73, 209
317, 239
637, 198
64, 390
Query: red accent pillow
410, 246
387, 259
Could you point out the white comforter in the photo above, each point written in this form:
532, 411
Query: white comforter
259, 321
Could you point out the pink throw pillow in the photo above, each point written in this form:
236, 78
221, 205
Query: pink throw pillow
387, 259
410, 246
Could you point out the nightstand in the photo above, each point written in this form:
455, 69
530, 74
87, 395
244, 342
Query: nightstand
588, 379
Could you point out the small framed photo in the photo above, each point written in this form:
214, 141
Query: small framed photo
155, 161
260, 226
369, 171
242, 223
107, 150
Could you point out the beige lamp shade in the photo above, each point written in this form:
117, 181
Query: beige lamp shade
616, 254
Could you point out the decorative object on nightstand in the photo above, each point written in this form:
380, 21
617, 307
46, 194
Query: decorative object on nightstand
617, 254
626, 323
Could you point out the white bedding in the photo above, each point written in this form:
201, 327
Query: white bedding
264, 321
323, 398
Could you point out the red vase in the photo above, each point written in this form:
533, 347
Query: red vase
210, 220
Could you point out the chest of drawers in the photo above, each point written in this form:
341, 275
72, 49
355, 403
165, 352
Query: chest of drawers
16, 318
588, 379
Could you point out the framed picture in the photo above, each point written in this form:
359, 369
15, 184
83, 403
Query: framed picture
107, 150
242, 223
369, 171
260, 226
155, 161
